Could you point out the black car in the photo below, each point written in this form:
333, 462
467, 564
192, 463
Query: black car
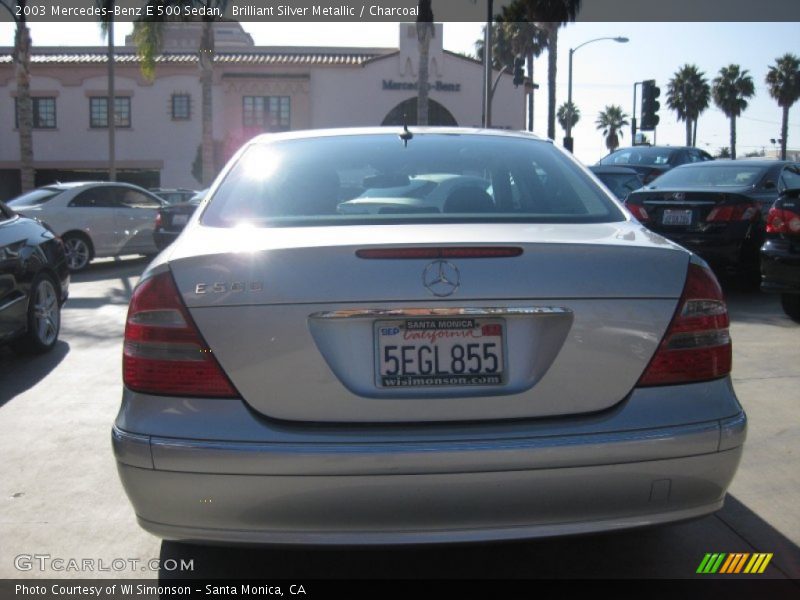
653, 161
621, 181
171, 220
716, 209
780, 254
34, 282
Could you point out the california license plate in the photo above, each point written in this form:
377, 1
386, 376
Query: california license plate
439, 352
676, 217
180, 219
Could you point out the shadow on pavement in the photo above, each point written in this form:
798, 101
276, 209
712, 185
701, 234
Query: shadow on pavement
20, 372
673, 551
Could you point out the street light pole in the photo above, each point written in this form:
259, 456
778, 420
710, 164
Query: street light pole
568, 141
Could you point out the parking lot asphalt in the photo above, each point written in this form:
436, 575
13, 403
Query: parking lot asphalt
60, 495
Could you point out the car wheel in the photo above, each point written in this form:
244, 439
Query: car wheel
791, 305
44, 317
78, 251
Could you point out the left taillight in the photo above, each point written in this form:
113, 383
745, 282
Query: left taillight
159, 220
163, 351
782, 220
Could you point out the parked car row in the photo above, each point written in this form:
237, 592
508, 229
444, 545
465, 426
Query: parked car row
738, 215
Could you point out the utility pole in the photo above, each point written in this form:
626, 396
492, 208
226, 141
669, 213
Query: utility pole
487, 66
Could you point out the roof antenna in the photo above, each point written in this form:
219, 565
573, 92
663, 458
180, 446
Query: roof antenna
406, 135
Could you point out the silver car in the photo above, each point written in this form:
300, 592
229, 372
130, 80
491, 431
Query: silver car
529, 361
95, 218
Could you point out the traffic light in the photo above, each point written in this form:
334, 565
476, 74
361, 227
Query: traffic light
650, 105
519, 71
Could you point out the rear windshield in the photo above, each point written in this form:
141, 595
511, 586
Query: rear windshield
34, 197
710, 176
434, 178
640, 155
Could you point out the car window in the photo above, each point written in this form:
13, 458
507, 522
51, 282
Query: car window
639, 155
790, 178
711, 175
34, 197
5, 213
130, 198
432, 178
94, 197
620, 184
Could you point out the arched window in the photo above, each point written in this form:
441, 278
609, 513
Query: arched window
437, 114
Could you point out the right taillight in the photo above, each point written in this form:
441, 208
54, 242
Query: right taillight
164, 352
697, 345
782, 220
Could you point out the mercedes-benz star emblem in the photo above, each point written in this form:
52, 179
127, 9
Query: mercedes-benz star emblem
441, 278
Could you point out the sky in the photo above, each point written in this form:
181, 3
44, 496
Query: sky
603, 72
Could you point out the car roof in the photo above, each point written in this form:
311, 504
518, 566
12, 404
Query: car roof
346, 131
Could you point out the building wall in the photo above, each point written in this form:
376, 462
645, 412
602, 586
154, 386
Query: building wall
322, 95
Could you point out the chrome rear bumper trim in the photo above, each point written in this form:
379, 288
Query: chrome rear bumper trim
371, 313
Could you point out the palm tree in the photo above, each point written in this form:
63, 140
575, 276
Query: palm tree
425, 31
610, 121
527, 39
22, 68
688, 94
549, 15
567, 113
783, 79
730, 91
510, 39
107, 29
148, 38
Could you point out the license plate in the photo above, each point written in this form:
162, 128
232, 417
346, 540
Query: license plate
433, 352
676, 217
180, 219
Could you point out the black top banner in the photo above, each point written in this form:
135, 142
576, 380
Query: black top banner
388, 10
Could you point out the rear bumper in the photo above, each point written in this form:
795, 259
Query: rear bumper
780, 267
463, 483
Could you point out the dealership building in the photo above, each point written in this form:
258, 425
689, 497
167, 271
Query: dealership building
255, 89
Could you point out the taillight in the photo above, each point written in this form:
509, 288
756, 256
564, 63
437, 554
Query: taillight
781, 220
638, 211
158, 221
697, 345
164, 352
733, 212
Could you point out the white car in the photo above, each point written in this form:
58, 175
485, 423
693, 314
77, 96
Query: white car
95, 219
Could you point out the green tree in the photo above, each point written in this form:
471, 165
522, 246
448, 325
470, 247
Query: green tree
688, 94
724, 152
783, 79
730, 90
148, 36
568, 112
610, 121
425, 31
548, 15
510, 39
21, 57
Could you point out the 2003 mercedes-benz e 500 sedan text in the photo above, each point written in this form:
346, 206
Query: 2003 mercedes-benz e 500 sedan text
315, 362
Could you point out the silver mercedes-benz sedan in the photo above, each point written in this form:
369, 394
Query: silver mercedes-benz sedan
521, 359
